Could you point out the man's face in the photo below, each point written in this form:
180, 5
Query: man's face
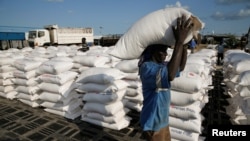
160, 55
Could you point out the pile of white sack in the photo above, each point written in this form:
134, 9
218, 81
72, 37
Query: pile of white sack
42, 77
189, 94
134, 89
104, 91
236, 71
7, 68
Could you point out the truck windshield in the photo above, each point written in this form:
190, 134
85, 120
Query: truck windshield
32, 34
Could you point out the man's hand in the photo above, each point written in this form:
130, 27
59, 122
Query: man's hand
182, 29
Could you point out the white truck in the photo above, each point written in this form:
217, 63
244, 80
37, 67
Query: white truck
52, 35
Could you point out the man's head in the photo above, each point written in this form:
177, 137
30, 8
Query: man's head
158, 52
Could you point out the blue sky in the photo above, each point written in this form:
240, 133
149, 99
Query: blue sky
116, 16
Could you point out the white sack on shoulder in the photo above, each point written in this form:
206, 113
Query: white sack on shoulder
156, 27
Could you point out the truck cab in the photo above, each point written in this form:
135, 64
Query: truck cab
39, 37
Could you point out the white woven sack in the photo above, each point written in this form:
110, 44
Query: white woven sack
132, 76
106, 88
36, 58
124, 122
196, 68
100, 75
182, 135
244, 91
134, 106
60, 79
7, 88
26, 82
241, 66
244, 78
30, 103
6, 75
156, 27
63, 58
55, 97
191, 125
236, 57
180, 98
188, 82
133, 83
55, 67
6, 61
26, 65
69, 107
72, 115
105, 109
56, 88
186, 112
137, 99
6, 68
133, 92
27, 96
104, 98
8, 81
92, 60
109, 119
25, 74
128, 66
28, 89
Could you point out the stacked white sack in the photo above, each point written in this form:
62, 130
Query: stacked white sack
236, 63
58, 88
243, 87
134, 89
232, 67
189, 96
95, 57
7, 85
236, 71
26, 80
104, 90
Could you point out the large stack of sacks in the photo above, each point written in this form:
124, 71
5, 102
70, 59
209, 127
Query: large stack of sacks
7, 85
189, 96
57, 83
26, 80
236, 77
103, 95
134, 89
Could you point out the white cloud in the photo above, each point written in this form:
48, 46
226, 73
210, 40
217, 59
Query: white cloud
177, 4
241, 14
